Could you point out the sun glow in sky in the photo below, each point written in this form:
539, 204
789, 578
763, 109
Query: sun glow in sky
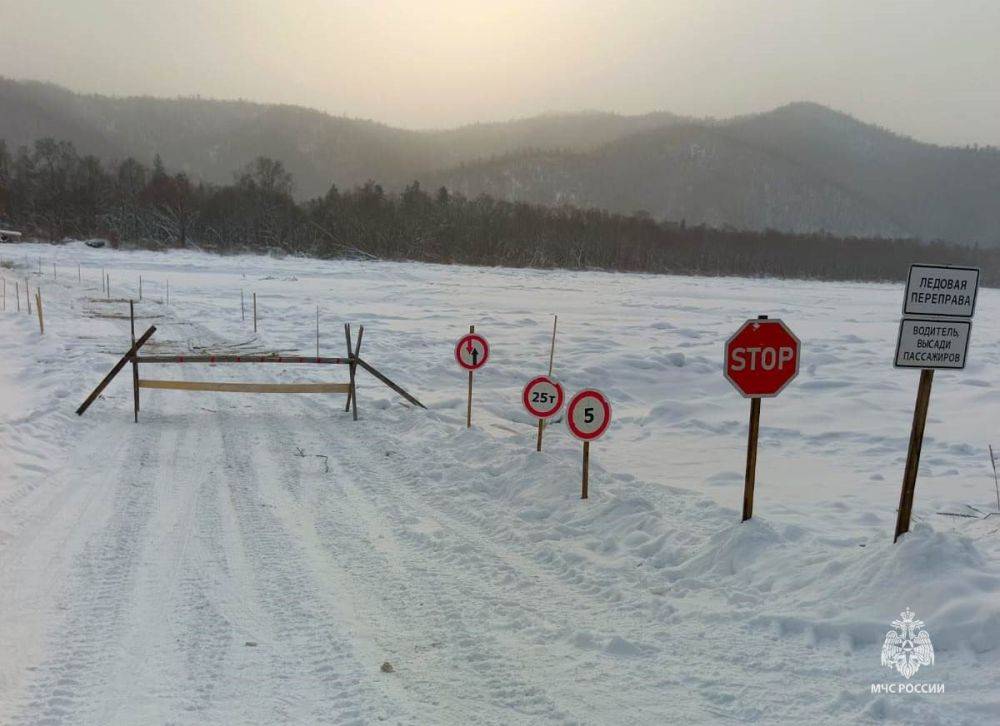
926, 68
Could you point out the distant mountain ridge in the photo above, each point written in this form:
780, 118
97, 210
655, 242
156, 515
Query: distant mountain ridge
801, 167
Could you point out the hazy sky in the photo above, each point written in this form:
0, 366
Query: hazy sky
928, 68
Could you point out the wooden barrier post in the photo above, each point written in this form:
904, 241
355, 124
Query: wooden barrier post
27, 296
352, 394
317, 331
552, 354
255, 312
913, 453
135, 362
115, 371
468, 406
751, 473
38, 307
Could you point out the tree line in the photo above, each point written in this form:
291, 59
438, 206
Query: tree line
50, 191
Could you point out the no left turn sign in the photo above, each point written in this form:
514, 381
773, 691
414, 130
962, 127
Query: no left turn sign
588, 414
472, 351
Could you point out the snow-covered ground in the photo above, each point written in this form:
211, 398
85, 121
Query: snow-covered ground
255, 559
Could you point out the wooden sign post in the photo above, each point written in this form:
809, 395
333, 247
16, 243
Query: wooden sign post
762, 357
471, 352
588, 416
552, 354
934, 333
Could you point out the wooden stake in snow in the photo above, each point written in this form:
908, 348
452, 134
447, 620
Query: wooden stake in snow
996, 481
317, 331
168, 291
38, 307
107, 286
79, 272
471, 353
255, 312
135, 362
27, 296
552, 354
5, 294
17, 295
140, 288
243, 310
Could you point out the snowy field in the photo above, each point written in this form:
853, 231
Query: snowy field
256, 559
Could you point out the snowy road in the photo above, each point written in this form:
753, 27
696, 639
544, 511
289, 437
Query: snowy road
256, 559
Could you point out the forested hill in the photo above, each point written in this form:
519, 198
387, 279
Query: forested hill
799, 168
52, 192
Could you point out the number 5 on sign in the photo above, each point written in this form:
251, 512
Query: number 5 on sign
588, 416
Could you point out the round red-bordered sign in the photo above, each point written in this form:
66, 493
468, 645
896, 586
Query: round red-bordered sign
588, 414
472, 351
542, 397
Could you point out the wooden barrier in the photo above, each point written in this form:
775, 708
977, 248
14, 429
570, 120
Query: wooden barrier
232, 387
353, 361
116, 370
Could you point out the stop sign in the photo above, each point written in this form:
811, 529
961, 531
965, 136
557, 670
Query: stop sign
762, 357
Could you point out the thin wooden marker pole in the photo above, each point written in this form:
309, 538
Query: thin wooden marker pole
27, 295
104, 282
913, 454
584, 491
168, 291
751, 475
107, 287
38, 307
140, 288
135, 362
5, 294
468, 407
255, 312
17, 295
243, 310
317, 331
79, 272
552, 355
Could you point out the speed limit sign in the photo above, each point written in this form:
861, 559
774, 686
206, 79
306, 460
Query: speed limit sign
588, 415
542, 397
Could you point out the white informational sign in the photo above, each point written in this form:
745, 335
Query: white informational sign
941, 290
931, 343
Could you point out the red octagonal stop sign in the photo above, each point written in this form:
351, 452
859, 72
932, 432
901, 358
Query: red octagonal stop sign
761, 358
